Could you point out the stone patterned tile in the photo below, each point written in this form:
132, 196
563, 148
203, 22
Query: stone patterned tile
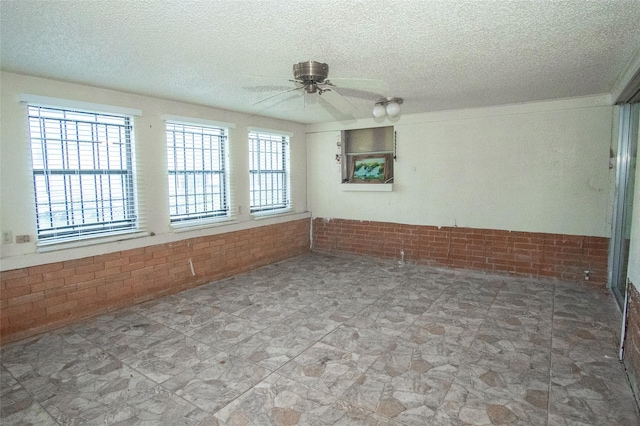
279, 401
118, 394
343, 414
388, 319
556, 420
589, 386
208, 294
448, 305
17, 406
226, 330
450, 337
214, 383
352, 341
493, 338
278, 344
43, 363
525, 302
267, 312
579, 303
497, 389
464, 405
362, 341
337, 311
517, 319
590, 400
476, 287
404, 384
327, 368
571, 335
124, 333
237, 301
298, 295
170, 357
180, 314
405, 302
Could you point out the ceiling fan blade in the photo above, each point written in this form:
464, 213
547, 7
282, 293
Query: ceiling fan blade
338, 101
368, 85
267, 88
277, 94
270, 77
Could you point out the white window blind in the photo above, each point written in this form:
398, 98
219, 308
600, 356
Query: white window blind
198, 176
83, 173
269, 172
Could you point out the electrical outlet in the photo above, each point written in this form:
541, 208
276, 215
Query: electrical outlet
587, 275
7, 238
21, 239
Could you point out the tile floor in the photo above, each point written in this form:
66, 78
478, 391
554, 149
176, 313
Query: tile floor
323, 340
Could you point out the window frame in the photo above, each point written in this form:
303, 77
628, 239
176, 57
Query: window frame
204, 217
72, 170
258, 136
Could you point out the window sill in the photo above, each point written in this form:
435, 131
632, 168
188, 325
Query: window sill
272, 213
193, 226
54, 246
367, 187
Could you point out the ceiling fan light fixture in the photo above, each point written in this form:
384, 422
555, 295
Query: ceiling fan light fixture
393, 109
387, 106
379, 111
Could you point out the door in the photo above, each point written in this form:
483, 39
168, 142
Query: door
623, 201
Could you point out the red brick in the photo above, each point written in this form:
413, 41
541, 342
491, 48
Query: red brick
55, 275
97, 266
11, 311
74, 279
48, 268
50, 301
108, 272
27, 280
14, 273
15, 292
27, 298
76, 288
47, 285
82, 294
120, 261
76, 263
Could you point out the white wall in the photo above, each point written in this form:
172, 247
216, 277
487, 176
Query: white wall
539, 167
17, 212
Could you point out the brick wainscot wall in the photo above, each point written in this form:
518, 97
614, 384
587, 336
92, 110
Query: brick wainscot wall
632, 341
44, 297
565, 257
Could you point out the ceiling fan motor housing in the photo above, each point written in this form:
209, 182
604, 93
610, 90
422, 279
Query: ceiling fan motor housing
310, 74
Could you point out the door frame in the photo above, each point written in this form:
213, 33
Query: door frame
618, 252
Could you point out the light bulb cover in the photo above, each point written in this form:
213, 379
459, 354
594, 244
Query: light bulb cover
379, 111
393, 109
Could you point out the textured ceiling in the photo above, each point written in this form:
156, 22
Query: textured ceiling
435, 54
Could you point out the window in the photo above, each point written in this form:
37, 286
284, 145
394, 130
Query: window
269, 172
197, 172
82, 173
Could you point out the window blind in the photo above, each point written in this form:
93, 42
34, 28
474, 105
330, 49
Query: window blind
198, 172
83, 173
269, 171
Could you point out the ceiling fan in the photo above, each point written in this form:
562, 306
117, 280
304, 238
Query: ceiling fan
311, 78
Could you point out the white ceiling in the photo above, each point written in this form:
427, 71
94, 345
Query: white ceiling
439, 54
